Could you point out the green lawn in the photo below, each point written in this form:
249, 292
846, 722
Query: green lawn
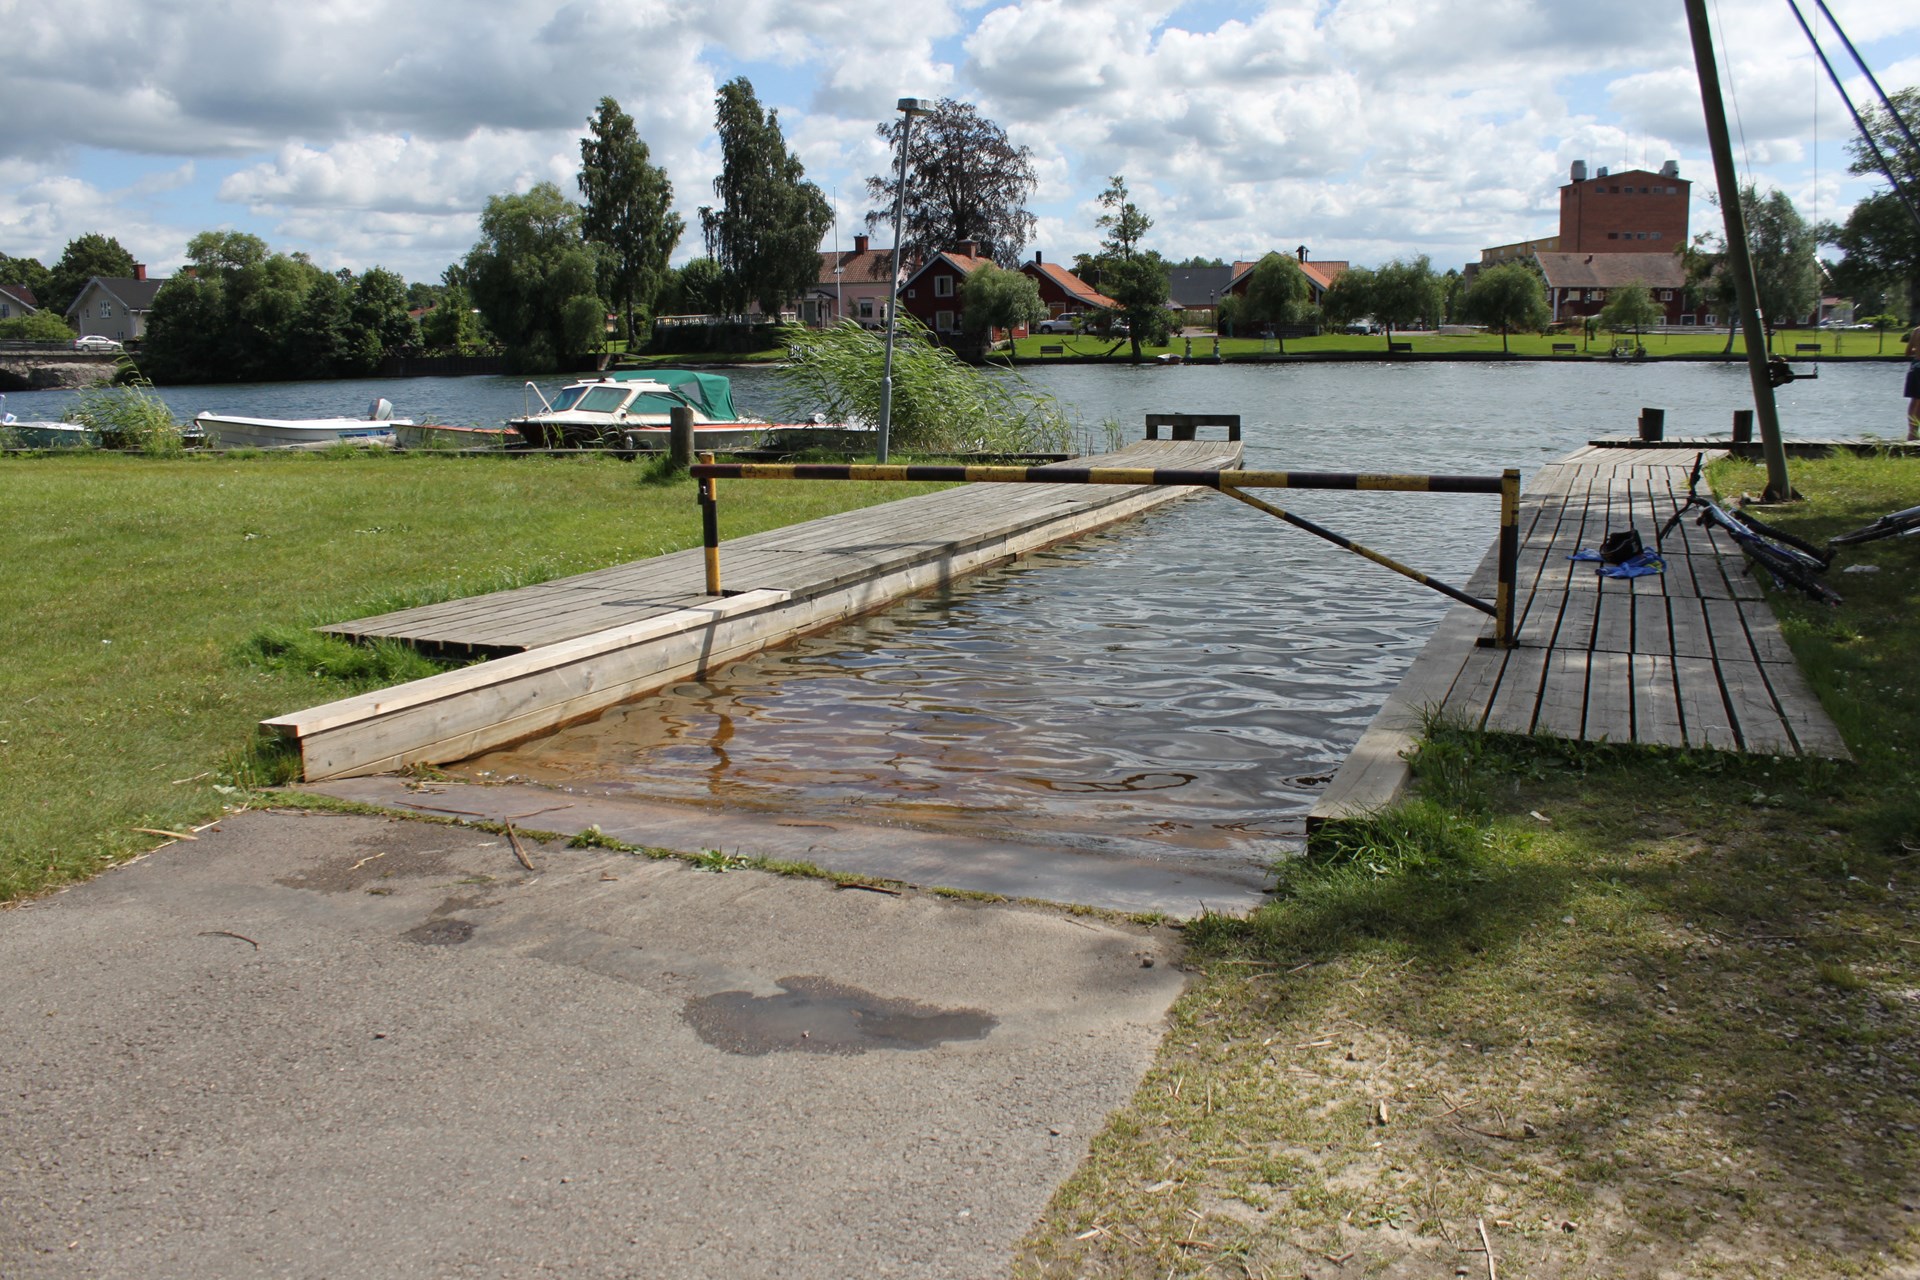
132, 587
1832, 344
1633, 1012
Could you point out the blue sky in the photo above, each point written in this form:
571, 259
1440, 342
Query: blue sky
368, 132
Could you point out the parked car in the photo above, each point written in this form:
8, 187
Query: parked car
94, 342
1066, 323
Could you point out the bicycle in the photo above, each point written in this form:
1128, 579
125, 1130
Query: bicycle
1894, 525
1788, 560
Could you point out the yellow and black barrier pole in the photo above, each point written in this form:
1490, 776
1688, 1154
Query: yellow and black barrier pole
710, 521
1508, 560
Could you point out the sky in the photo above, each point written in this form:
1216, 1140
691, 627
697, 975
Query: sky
371, 132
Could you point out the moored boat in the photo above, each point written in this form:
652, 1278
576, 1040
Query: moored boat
446, 435
232, 431
633, 410
15, 434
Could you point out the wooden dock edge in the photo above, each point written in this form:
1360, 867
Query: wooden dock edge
457, 714
1376, 772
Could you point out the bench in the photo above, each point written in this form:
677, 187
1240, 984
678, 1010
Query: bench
1398, 348
1052, 349
1806, 348
1566, 348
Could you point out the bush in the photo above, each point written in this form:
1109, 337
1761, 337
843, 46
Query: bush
36, 326
130, 417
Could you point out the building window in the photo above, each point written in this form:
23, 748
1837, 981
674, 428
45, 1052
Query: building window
5, 311
943, 321
1656, 235
1666, 295
943, 286
909, 293
866, 308
106, 310
1599, 191
1595, 295
1613, 235
1686, 319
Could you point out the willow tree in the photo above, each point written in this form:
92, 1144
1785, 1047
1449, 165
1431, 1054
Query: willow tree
765, 232
533, 278
628, 211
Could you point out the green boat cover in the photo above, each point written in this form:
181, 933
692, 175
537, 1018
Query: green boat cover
710, 393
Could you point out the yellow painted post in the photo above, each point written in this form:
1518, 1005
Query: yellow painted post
710, 526
1503, 600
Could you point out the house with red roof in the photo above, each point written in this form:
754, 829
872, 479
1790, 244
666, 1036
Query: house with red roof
851, 286
932, 294
17, 300
1578, 284
1062, 291
1320, 275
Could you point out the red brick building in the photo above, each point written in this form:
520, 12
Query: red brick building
1635, 211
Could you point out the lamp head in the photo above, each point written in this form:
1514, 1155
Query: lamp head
914, 106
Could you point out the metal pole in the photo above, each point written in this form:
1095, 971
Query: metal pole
710, 526
893, 294
1739, 262
1509, 560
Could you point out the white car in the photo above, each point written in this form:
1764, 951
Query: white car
1068, 323
94, 342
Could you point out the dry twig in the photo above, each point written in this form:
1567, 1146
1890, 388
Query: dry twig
228, 933
1488, 1245
161, 831
518, 852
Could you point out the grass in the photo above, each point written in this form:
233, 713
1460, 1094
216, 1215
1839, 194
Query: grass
1833, 343
1639, 1012
159, 608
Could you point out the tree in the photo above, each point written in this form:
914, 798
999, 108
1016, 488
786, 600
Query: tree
1508, 296
1349, 299
1135, 278
693, 290
28, 273
1881, 237
1277, 294
965, 181
1786, 266
765, 232
378, 315
629, 210
1406, 292
320, 341
35, 326
532, 277
451, 325
84, 258
995, 299
1632, 307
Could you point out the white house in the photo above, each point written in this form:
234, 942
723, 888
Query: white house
17, 300
114, 306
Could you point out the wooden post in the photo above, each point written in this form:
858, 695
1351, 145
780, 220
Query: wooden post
709, 521
1509, 573
1743, 426
680, 435
1653, 424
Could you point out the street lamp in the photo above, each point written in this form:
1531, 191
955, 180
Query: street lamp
908, 107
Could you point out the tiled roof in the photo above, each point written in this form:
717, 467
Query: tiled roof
1193, 287
20, 294
856, 268
965, 264
1074, 287
1321, 274
1612, 270
134, 295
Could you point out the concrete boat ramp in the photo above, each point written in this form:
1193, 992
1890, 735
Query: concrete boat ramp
571, 648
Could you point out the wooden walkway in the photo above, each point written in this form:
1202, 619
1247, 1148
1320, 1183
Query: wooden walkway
804, 559
1692, 657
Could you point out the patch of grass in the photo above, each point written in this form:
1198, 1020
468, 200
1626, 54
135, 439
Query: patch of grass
154, 605
1641, 1012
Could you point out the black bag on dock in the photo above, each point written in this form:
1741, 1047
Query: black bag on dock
1621, 547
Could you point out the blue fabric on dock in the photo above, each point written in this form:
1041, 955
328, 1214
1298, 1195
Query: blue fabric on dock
1634, 567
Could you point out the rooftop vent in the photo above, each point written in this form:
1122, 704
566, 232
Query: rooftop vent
1579, 170
1671, 169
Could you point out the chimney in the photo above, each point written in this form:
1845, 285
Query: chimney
1602, 173
1301, 253
860, 244
139, 271
968, 248
1579, 170
1037, 258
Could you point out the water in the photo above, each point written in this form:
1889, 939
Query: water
1178, 687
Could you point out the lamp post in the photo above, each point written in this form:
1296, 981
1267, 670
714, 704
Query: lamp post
909, 108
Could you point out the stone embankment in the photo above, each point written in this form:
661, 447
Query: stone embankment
24, 368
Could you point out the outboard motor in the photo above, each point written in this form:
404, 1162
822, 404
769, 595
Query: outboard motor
380, 410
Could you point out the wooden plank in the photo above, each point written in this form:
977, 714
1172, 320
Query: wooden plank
1609, 716
1704, 717
1757, 721
1563, 694
1613, 629
1656, 706
1518, 697
1814, 732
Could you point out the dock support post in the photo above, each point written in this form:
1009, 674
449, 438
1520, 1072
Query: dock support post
1743, 426
1509, 572
680, 436
710, 526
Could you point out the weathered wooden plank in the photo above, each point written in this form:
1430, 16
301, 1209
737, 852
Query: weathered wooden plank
1703, 709
1563, 694
1609, 715
1652, 628
1656, 707
1814, 732
1756, 719
1518, 695
1613, 630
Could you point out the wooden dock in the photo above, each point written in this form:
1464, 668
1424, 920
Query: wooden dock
575, 646
1692, 657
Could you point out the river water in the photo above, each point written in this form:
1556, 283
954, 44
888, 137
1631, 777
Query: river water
1180, 686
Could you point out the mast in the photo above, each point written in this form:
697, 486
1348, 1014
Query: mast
1739, 261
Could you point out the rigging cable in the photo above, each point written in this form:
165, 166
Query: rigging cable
1860, 62
1740, 123
1886, 167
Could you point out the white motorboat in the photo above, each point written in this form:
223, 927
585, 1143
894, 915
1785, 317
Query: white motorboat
26, 433
633, 410
232, 431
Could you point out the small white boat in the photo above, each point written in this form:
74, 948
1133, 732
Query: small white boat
231, 431
633, 410
445, 435
19, 433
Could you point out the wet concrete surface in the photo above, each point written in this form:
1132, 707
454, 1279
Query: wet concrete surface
1172, 886
326, 1045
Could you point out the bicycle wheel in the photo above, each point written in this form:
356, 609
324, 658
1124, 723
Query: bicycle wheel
1788, 570
1781, 535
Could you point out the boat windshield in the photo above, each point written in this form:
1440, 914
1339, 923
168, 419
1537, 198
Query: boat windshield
585, 398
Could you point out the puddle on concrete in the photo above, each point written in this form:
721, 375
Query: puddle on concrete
815, 1015
442, 932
